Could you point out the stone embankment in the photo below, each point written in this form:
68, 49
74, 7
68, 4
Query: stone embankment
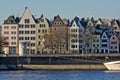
55, 67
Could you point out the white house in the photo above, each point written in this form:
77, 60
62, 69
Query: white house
27, 31
104, 43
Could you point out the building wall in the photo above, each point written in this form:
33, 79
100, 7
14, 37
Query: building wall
27, 31
74, 38
10, 31
104, 43
42, 29
114, 44
96, 44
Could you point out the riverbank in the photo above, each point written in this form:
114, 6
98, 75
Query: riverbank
55, 67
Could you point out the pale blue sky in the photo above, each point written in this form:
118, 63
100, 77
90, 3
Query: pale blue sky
65, 8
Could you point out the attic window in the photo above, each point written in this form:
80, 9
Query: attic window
11, 21
113, 38
42, 20
104, 36
27, 21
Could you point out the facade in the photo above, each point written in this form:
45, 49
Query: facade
74, 38
96, 43
88, 42
114, 44
104, 43
39, 35
42, 29
27, 31
10, 32
60, 38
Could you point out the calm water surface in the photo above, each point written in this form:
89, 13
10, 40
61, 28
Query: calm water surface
59, 75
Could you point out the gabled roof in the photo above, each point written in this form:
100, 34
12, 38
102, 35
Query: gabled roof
99, 22
89, 23
104, 34
78, 22
11, 20
74, 24
27, 15
56, 20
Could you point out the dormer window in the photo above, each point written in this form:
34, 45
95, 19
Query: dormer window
104, 36
113, 38
12, 21
42, 20
27, 21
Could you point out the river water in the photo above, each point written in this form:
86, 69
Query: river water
60, 75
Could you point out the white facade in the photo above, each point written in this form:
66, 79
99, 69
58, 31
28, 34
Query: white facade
27, 31
74, 38
104, 43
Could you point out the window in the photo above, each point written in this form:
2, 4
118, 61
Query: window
32, 44
26, 26
97, 45
38, 31
6, 32
13, 27
21, 38
104, 36
27, 21
54, 28
93, 45
72, 46
13, 32
113, 38
26, 38
42, 20
26, 32
115, 47
6, 27
113, 42
13, 37
104, 40
104, 45
21, 26
21, 32
39, 36
32, 38
39, 43
32, 32
32, 26
45, 30
13, 43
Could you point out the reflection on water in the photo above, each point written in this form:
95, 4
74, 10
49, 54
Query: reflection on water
59, 75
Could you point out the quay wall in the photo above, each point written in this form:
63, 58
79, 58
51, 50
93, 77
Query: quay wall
64, 67
54, 67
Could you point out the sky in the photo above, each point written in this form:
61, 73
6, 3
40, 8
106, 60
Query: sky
65, 8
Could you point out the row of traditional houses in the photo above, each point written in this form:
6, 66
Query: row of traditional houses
28, 34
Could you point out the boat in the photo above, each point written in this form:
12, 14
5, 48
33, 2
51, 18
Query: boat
113, 65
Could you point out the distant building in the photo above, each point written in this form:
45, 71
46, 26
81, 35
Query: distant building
10, 32
96, 43
74, 38
114, 44
104, 43
115, 26
60, 31
42, 29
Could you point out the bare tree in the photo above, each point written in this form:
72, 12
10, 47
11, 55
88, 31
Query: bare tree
3, 42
